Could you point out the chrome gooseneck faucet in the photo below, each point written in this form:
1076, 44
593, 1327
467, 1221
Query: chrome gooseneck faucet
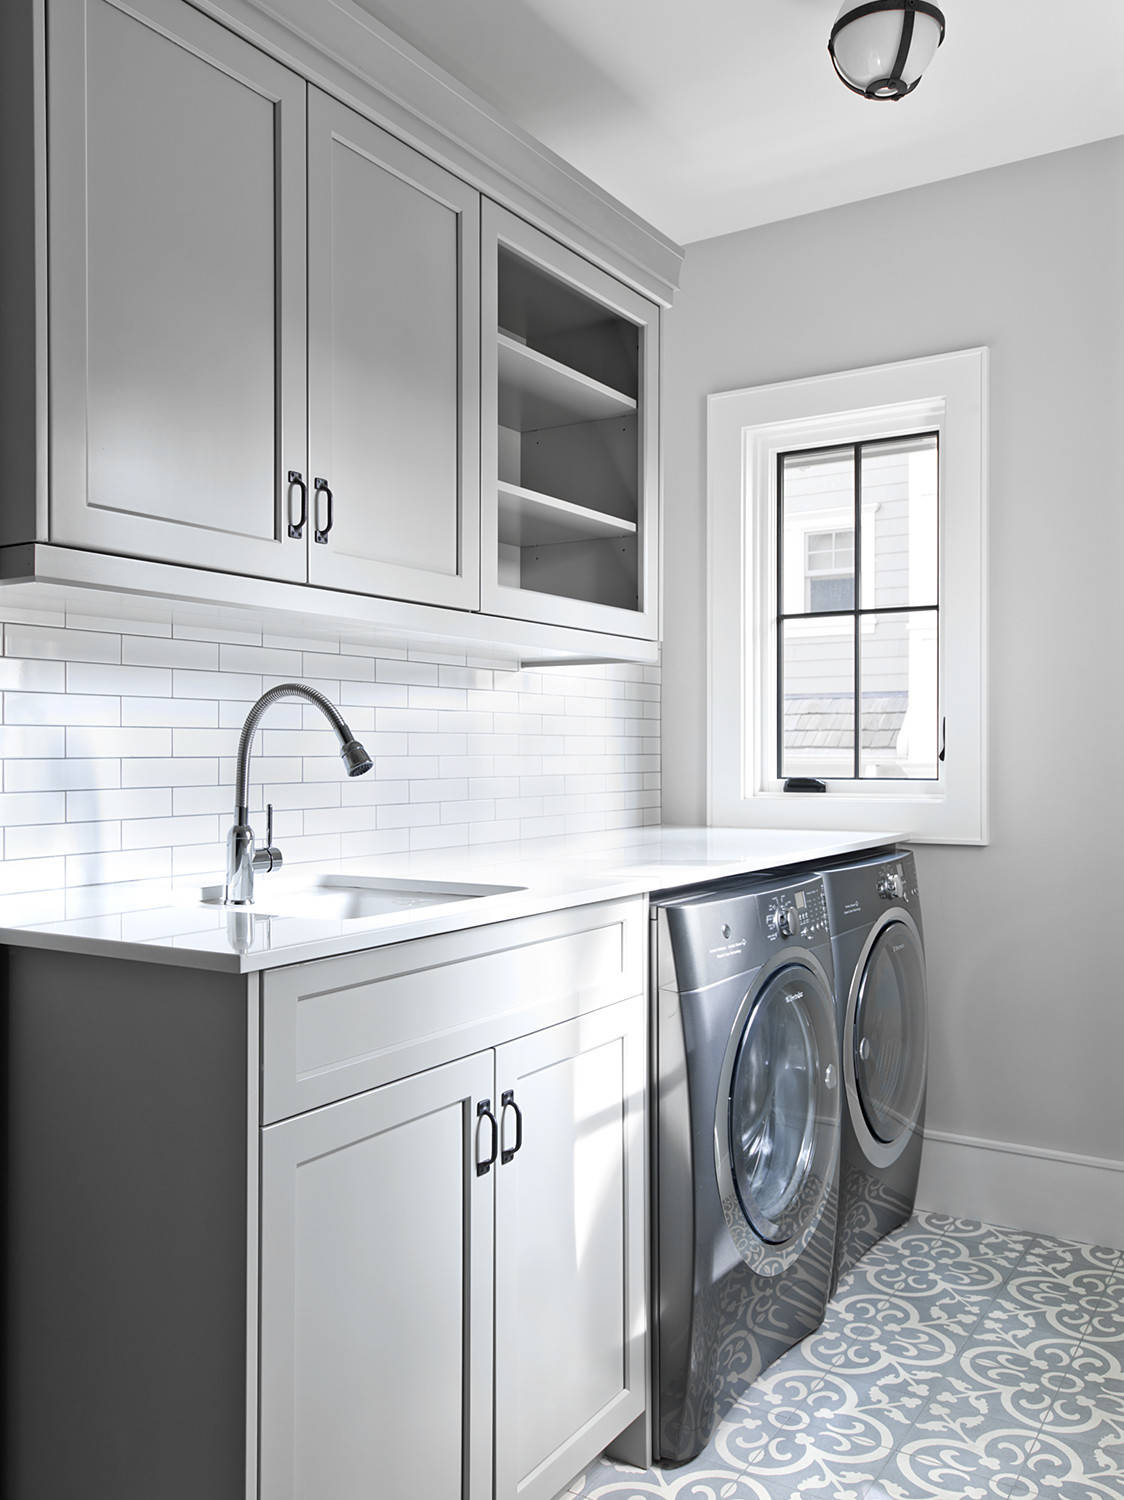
242, 860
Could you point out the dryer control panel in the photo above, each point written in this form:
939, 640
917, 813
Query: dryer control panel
798, 912
735, 927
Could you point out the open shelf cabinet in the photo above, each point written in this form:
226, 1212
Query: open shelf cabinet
570, 437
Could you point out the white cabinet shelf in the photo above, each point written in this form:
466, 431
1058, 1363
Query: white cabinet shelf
529, 518
536, 391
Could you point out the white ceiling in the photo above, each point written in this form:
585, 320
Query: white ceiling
712, 115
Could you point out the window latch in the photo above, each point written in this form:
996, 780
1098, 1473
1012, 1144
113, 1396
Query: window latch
804, 784
944, 725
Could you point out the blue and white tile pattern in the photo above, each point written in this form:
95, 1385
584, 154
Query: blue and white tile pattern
958, 1361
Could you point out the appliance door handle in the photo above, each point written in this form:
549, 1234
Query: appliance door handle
320, 533
296, 481
507, 1101
484, 1112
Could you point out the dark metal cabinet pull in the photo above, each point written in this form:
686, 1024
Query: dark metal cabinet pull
320, 533
507, 1101
484, 1112
296, 478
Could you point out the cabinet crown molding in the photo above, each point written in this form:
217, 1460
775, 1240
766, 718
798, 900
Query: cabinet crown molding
342, 48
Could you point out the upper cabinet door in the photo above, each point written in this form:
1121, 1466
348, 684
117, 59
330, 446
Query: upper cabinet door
177, 289
570, 421
393, 366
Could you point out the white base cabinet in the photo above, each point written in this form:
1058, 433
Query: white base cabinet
369, 1226
453, 1263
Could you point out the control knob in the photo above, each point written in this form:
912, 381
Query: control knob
891, 886
784, 922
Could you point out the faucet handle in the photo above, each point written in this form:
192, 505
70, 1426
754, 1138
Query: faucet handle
268, 858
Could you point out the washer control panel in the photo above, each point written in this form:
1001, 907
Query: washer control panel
798, 912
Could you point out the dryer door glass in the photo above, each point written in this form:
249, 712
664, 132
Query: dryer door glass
782, 1114
889, 1034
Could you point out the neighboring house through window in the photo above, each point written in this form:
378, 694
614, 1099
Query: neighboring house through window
846, 571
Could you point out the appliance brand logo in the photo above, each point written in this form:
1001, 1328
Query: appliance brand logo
897, 947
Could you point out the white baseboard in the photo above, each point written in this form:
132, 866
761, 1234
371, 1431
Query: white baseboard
1051, 1192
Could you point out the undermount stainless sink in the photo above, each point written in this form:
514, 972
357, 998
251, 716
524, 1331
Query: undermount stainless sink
343, 898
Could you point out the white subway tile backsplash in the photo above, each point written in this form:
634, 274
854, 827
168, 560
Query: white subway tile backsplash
138, 864
87, 739
32, 676
60, 838
60, 775
33, 742
118, 739
59, 707
178, 771
338, 668
143, 802
61, 644
155, 833
175, 712
31, 807
98, 677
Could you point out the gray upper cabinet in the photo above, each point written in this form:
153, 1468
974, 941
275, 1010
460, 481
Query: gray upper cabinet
254, 332
394, 244
177, 289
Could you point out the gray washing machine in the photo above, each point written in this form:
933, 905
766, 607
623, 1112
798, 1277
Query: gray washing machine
878, 950
746, 1137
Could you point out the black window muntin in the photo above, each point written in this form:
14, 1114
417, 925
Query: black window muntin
856, 450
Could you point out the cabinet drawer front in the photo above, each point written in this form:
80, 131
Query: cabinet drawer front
341, 1025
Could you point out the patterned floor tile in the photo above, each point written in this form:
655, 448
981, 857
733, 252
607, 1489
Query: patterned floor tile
1002, 1246
957, 1361
1088, 1408
1056, 1469
822, 1476
1014, 1319
867, 1331
1106, 1324
691, 1483
942, 1465
998, 1386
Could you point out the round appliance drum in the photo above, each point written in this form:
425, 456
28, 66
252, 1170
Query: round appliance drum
777, 1124
885, 1045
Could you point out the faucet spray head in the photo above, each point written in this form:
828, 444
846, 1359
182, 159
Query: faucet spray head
355, 758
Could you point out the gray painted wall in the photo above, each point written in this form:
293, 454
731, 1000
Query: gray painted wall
1025, 936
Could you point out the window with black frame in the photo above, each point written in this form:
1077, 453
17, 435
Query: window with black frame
858, 618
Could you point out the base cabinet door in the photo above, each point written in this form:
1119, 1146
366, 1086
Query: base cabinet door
376, 1302
570, 1247
394, 245
177, 290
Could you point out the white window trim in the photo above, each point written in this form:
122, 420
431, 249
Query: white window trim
746, 431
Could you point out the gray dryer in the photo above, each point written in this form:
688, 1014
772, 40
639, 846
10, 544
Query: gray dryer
746, 1134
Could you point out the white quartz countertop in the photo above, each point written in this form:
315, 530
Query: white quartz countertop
173, 926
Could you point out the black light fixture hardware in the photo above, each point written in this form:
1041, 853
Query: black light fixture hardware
859, 51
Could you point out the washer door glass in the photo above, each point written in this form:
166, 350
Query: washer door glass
780, 1121
889, 1034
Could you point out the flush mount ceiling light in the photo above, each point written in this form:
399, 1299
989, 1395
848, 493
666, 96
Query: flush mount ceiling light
880, 48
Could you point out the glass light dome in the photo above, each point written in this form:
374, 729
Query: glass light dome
880, 48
